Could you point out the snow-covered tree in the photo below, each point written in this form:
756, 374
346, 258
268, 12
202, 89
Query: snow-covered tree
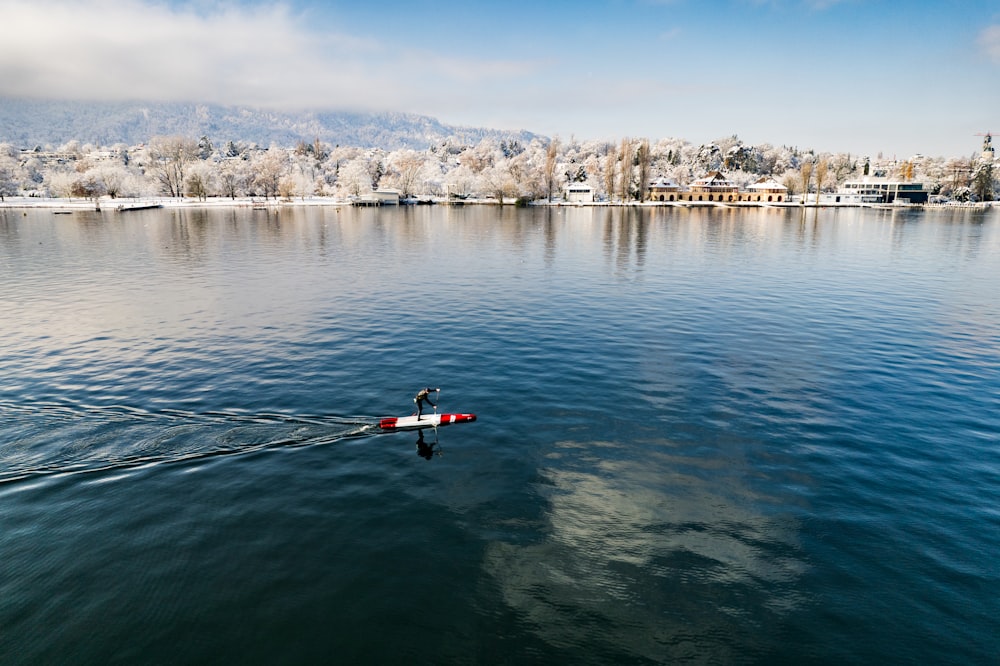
113, 178
201, 180
460, 182
8, 178
232, 178
551, 162
498, 181
88, 186
404, 170
983, 181
354, 179
643, 160
268, 167
169, 157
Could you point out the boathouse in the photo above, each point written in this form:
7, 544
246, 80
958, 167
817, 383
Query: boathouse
579, 193
713, 187
663, 189
765, 190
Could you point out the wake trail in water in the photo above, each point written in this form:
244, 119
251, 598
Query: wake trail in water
50, 438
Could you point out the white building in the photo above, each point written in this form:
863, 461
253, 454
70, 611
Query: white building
386, 197
872, 189
579, 193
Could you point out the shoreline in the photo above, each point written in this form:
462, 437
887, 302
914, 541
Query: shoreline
120, 205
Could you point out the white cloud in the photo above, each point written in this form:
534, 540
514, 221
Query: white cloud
820, 5
264, 56
989, 42
670, 35
815, 5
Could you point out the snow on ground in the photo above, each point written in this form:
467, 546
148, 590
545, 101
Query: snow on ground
107, 203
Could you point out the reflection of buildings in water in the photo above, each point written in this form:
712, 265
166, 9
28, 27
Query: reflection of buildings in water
654, 562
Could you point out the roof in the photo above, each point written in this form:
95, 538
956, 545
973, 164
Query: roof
713, 179
768, 184
664, 183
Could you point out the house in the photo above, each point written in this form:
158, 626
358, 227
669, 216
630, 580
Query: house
766, 189
713, 187
579, 193
663, 189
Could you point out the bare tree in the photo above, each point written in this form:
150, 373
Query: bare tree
286, 187
608, 173
88, 186
169, 158
643, 160
626, 167
551, 157
821, 169
499, 181
791, 182
200, 180
805, 175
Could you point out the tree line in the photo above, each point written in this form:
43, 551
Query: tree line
504, 170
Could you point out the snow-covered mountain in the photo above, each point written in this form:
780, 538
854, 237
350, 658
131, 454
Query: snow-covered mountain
29, 123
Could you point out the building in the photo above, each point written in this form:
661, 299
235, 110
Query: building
378, 198
579, 193
765, 190
386, 197
663, 189
713, 187
871, 189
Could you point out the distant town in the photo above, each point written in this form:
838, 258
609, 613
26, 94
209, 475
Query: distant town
491, 170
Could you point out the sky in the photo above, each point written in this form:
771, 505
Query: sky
867, 77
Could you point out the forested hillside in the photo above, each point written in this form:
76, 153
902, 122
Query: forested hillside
31, 123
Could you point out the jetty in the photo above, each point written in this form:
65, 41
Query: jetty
124, 208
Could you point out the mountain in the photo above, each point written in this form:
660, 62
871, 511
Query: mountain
28, 123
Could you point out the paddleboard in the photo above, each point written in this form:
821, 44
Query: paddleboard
425, 421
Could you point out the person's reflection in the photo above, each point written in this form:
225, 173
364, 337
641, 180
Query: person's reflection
425, 450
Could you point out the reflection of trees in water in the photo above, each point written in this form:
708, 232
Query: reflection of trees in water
655, 563
625, 233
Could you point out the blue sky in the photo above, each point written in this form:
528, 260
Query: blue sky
862, 76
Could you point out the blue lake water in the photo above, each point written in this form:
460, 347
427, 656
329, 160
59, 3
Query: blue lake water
705, 435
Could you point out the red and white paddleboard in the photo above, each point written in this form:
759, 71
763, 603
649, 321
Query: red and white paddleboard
426, 421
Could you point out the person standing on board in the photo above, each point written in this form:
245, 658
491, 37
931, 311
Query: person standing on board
424, 396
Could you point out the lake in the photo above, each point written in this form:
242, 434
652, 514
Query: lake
708, 435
